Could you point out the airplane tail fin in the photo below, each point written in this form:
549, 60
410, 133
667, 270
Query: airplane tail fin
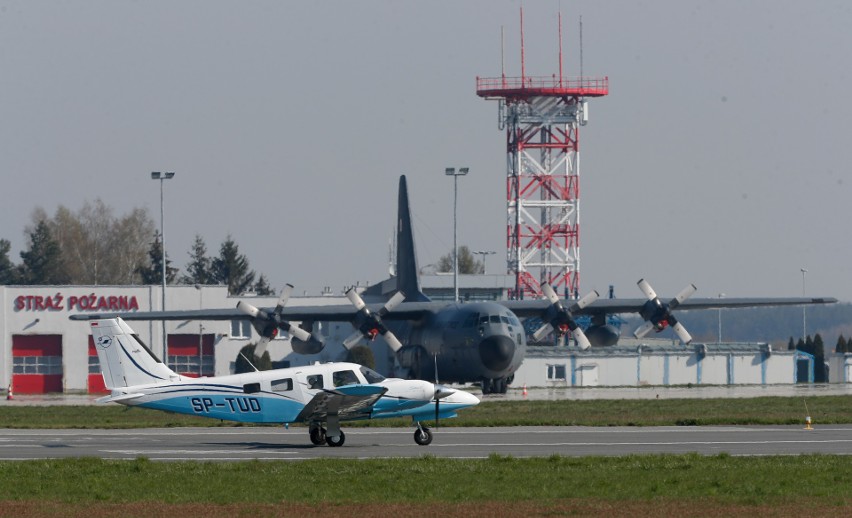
408, 277
125, 360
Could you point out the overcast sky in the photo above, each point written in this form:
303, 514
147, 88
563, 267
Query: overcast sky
720, 156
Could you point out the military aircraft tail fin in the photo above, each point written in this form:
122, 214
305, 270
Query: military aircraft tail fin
125, 360
408, 278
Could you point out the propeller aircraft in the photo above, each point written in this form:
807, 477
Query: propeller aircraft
320, 395
482, 342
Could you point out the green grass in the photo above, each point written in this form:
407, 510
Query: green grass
653, 412
725, 479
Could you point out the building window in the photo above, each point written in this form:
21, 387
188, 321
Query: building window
37, 365
188, 364
94, 365
556, 372
240, 329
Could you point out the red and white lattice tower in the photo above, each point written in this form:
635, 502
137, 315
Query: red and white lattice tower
542, 117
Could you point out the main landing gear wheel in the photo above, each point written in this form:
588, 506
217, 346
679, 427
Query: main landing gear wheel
423, 436
318, 436
336, 441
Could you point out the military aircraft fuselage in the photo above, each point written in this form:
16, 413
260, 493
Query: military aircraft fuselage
480, 340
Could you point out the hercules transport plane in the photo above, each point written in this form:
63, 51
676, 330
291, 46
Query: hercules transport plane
480, 342
320, 395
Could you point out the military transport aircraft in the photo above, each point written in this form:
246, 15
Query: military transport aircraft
465, 342
320, 395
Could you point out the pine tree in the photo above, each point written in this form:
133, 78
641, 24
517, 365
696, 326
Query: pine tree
199, 269
232, 268
791, 345
42, 262
153, 272
262, 287
8, 271
246, 355
841, 344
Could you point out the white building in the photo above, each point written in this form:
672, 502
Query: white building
44, 351
663, 364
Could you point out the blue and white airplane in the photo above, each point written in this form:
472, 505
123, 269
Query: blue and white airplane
320, 395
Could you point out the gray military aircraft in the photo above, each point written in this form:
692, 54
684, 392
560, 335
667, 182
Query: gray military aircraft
481, 342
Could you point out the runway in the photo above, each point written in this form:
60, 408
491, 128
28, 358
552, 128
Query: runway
235, 444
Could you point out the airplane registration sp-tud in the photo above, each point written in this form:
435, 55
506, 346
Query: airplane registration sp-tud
320, 395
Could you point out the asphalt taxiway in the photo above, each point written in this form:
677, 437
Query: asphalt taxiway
264, 443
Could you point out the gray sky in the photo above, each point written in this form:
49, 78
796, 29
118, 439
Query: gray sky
717, 158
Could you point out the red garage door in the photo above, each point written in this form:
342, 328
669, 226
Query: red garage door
37, 363
185, 357
96, 379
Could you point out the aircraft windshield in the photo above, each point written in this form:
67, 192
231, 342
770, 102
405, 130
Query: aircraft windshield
371, 375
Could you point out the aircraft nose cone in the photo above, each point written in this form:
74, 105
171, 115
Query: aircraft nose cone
496, 352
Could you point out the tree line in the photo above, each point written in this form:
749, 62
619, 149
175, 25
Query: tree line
93, 246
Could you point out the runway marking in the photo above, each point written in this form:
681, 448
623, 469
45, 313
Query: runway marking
191, 452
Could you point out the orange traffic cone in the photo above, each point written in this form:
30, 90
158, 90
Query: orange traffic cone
9, 395
525, 390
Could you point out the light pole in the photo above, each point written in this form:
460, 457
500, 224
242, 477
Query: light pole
721, 296
451, 171
804, 309
200, 332
156, 175
484, 253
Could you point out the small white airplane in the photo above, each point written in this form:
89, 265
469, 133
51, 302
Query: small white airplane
320, 395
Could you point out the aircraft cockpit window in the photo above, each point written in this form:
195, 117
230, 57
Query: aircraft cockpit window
315, 381
284, 385
470, 321
495, 319
483, 319
504, 319
514, 320
371, 375
344, 378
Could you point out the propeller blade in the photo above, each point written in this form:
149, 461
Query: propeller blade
682, 333
352, 340
297, 332
647, 289
284, 297
643, 330
542, 331
582, 342
356, 299
586, 300
260, 348
548, 292
392, 341
250, 310
392, 303
683, 295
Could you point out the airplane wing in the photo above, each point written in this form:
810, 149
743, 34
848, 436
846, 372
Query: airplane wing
347, 402
531, 308
332, 313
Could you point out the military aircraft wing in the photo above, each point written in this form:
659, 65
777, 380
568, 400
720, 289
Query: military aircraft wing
332, 313
528, 308
348, 402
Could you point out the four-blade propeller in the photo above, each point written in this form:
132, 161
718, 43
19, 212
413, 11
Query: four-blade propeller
557, 318
368, 324
657, 314
267, 324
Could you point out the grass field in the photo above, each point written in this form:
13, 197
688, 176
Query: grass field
655, 412
664, 484
652, 485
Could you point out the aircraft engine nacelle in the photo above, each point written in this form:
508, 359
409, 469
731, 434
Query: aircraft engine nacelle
312, 346
602, 335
